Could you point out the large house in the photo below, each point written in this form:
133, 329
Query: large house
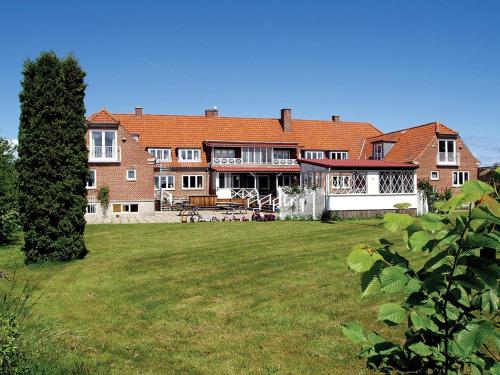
142, 157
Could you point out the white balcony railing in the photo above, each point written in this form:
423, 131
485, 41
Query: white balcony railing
447, 158
239, 161
105, 154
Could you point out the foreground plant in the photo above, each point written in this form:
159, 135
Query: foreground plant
449, 305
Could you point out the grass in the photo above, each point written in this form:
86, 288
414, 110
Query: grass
209, 298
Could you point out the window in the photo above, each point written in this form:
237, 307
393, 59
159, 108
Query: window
103, 144
224, 153
343, 155
281, 154
349, 183
257, 155
192, 182
311, 180
167, 182
135, 136
459, 178
131, 174
91, 181
394, 182
161, 154
125, 208
287, 180
378, 151
228, 180
314, 154
434, 175
189, 154
341, 182
447, 151
91, 208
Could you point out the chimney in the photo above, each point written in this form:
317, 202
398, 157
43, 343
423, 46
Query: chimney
138, 111
336, 118
286, 119
211, 112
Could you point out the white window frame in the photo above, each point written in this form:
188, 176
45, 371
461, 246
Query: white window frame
434, 178
339, 155
458, 184
341, 182
183, 154
257, 155
446, 151
131, 178
114, 146
281, 154
314, 154
378, 151
166, 178
189, 180
91, 208
161, 153
224, 153
95, 180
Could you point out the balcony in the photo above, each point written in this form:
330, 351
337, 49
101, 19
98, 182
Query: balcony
447, 158
239, 161
104, 154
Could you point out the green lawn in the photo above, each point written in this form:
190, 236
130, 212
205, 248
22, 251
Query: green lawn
209, 298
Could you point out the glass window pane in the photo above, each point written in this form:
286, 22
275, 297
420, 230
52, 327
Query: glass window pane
185, 181
451, 146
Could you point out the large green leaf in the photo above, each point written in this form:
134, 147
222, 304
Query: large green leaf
422, 322
421, 349
489, 301
362, 258
483, 212
432, 221
354, 332
476, 186
488, 273
391, 312
418, 240
394, 222
475, 240
393, 279
370, 283
472, 337
413, 286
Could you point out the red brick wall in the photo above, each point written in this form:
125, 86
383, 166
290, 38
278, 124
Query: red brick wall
133, 156
427, 163
181, 193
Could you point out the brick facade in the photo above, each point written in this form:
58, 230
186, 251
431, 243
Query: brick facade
179, 192
427, 163
113, 175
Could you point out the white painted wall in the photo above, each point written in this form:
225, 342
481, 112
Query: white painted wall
224, 193
369, 201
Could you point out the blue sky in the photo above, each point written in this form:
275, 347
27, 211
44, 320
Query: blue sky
392, 63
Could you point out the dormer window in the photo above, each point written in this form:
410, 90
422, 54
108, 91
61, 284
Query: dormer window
447, 152
314, 154
161, 154
378, 151
189, 154
339, 155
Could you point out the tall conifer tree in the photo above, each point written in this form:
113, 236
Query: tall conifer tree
52, 161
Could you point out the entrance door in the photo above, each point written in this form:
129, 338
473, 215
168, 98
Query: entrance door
264, 184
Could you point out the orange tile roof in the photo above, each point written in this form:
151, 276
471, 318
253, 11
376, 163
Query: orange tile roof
102, 117
409, 142
191, 131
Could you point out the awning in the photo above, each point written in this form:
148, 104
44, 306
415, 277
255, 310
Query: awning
357, 164
254, 169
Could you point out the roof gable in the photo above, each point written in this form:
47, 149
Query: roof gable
102, 117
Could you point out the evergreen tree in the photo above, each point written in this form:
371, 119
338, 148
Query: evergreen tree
52, 161
8, 198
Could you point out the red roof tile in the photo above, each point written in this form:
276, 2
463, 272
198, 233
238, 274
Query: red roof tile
358, 164
409, 142
103, 117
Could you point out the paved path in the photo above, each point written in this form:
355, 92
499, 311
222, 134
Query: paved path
159, 217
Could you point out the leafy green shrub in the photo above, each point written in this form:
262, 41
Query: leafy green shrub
449, 305
9, 220
328, 216
103, 198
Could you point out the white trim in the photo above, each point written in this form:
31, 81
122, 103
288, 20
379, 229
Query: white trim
458, 179
378, 151
193, 188
166, 181
155, 151
131, 178
113, 212
186, 150
341, 154
434, 178
95, 180
313, 154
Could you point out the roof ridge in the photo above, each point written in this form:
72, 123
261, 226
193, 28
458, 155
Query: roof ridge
411, 127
